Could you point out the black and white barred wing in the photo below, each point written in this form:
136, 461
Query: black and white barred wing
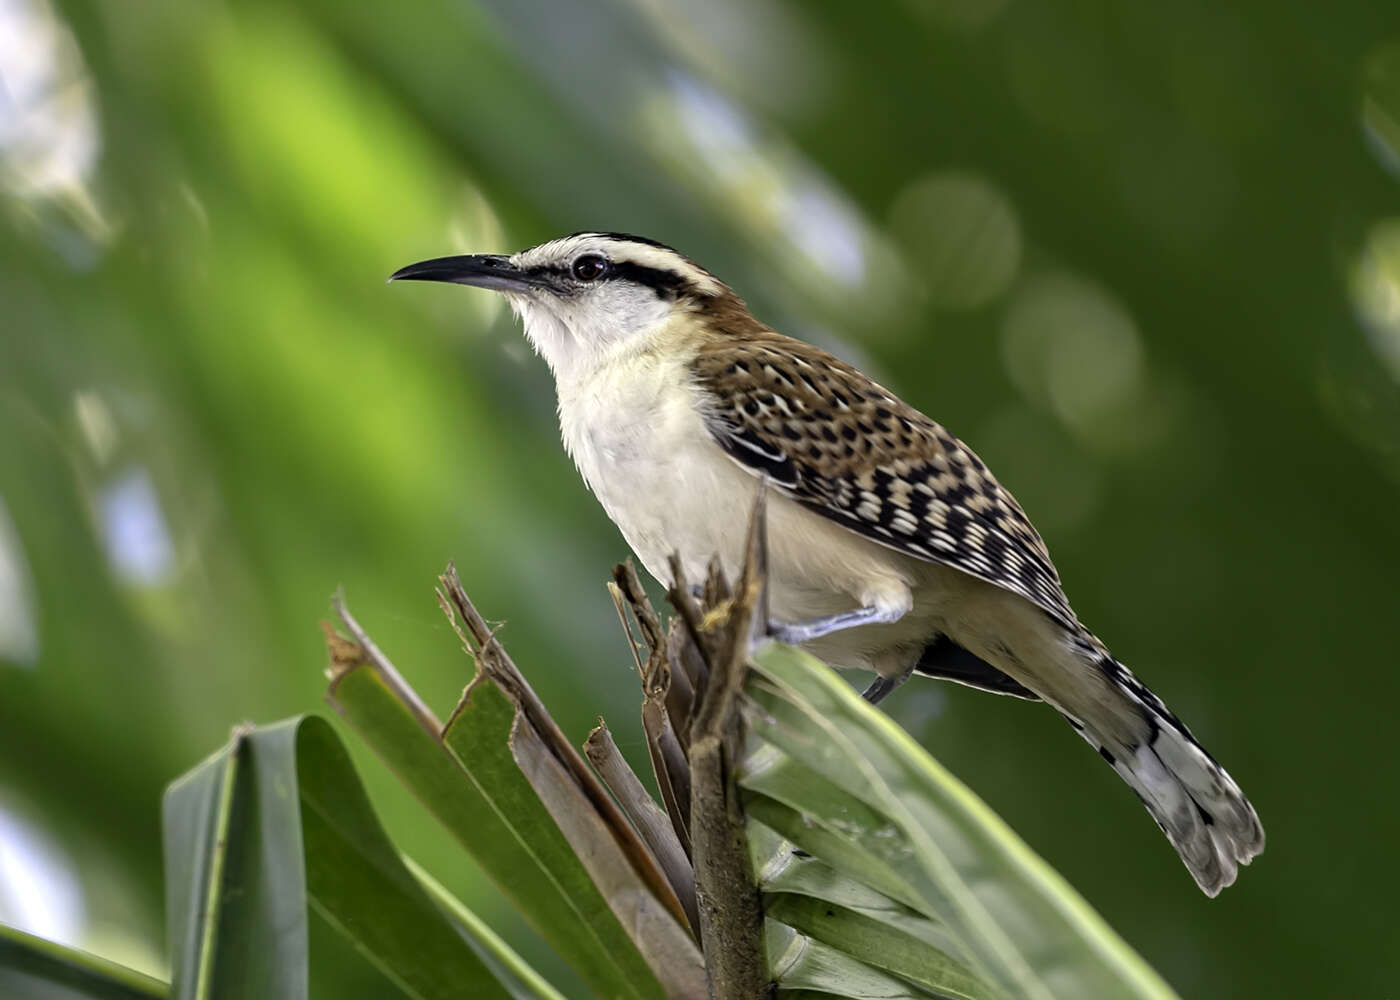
843, 446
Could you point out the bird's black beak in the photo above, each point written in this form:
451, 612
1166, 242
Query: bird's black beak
484, 270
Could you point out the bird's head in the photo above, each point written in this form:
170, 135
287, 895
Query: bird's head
586, 295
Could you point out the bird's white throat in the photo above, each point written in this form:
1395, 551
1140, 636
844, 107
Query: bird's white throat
576, 333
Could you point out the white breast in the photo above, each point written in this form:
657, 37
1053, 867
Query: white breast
634, 431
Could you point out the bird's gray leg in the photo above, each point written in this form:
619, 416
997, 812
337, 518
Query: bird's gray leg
800, 632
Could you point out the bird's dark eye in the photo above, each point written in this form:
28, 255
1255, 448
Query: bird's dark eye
590, 267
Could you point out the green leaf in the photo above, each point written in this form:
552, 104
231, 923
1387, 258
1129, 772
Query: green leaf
36, 969
479, 794
837, 778
813, 898
272, 839
569, 834
523, 982
804, 965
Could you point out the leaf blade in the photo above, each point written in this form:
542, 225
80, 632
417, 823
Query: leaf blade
477, 810
299, 840
33, 967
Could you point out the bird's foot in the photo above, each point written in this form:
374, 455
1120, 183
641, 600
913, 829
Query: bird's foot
792, 635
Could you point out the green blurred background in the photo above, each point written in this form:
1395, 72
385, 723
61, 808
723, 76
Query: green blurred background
1144, 258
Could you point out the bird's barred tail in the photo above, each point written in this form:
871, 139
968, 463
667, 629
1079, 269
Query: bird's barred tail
1192, 798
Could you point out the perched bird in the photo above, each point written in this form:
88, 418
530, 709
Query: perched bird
892, 548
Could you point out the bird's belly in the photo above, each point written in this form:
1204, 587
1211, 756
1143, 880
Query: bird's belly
697, 503
676, 504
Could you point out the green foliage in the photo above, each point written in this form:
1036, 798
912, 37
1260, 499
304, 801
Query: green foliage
273, 833
909, 871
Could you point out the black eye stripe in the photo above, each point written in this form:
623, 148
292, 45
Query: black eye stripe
667, 284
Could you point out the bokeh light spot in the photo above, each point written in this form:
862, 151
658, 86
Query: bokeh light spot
1071, 346
19, 629
1375, 289
962, 234
97, 425
134, 529
38, 893
49, 136
473, 227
